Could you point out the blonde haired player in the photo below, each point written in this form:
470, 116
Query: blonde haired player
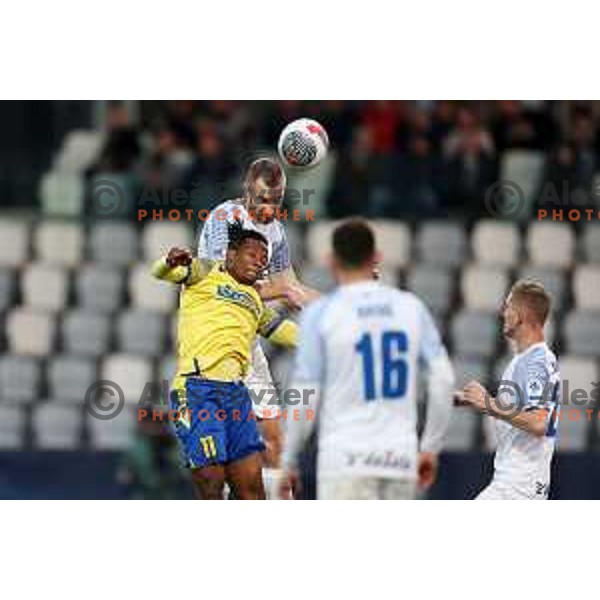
264, 188
360, 349
525, 409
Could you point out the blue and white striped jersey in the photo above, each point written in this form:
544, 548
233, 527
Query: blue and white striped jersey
213, 240
532, 379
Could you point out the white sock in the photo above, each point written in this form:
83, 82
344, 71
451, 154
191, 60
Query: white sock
272, 480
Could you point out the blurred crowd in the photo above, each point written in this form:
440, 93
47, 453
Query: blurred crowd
390, 158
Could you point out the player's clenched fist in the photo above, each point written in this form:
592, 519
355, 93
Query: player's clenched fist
179, 257
475, 394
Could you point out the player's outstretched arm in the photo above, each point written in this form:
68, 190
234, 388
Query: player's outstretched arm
179, 267
286, 286
277, 329
534, 421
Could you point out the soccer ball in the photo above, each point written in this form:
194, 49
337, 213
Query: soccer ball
303, 143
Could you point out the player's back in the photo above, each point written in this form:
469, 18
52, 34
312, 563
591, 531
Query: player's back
372, 336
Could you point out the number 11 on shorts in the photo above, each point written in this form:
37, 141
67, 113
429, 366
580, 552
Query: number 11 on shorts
208, 446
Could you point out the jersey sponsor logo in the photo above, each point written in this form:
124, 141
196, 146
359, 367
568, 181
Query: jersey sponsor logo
229, 294
387, 460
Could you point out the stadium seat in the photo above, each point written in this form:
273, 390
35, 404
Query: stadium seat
57, 426
29, 332
7, 288
553, 279
62, 194
159, 236
442, 243
149, 293
172, 333
167, 369
14, 243
586, 287
551, 244
130, 373
115, 433
394, 242
12, 427
496, 243
461, 430
318, 241
434, 285
581, 332
500, 365
59, 243
114, 244
574, 427
523, 168
484, 288
80, 149
141, 332
99, 288
45, 287
85, 333
467, 369
69, 377
20, 379
474, 334
590, 242
295, 238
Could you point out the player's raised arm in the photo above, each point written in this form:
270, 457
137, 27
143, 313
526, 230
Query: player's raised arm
286, 286
179, 267
440, 380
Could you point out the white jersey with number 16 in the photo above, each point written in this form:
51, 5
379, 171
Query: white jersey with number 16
363, 346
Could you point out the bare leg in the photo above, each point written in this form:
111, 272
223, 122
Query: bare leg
273, 436
244, 476
208, 482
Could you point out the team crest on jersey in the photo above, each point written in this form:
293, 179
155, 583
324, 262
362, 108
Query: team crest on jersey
228, 293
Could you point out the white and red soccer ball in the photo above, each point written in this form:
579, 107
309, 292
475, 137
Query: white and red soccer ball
303, 143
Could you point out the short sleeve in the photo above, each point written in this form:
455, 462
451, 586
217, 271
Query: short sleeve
538, 384
280, 260
213, 240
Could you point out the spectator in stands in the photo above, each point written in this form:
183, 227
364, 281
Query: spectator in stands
383, 119
442, 122
212, 172
169, 160
350, 189
469, 170
584, 146
122, 148
419, 179
518, 127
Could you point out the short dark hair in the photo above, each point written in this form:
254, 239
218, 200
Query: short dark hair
354, 243
237, 235
534, 297
268, 169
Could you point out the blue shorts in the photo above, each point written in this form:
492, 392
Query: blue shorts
216, 424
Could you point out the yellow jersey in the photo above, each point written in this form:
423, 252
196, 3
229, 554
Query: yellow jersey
218, 320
